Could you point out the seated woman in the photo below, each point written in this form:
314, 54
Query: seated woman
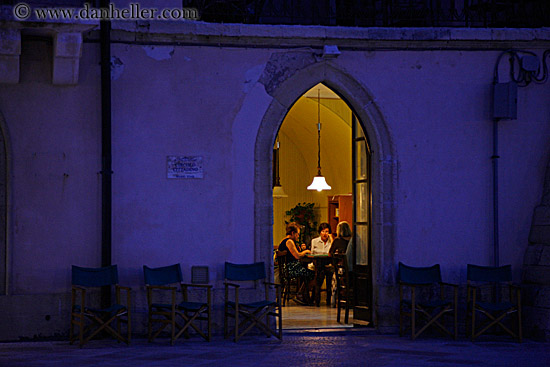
343, 235
293, 256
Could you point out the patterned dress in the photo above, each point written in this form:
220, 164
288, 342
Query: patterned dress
295, 268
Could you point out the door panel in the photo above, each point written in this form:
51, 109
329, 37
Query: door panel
362, 270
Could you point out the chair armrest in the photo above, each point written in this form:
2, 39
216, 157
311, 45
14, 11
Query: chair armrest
231, 284
196, 285
273, 284
206, 287
161, 287
78, 288
404, 284
449, 284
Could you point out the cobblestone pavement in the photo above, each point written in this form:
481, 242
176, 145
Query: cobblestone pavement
319, 349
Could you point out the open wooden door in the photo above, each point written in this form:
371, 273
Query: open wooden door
362, 269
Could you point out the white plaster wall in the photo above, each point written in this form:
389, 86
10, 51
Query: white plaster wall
438, 106
183, 105
54, 134
206, 101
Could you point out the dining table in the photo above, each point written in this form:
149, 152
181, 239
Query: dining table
320, 262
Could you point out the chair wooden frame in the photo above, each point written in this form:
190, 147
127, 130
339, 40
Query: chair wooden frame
84, 317
495, 310
432, 311
344, 293
285, 280
165, 280
254, 314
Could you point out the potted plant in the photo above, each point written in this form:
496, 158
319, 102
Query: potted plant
304, 215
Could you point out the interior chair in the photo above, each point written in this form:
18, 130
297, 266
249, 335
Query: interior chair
323, 275
168, 309
87, 315
247, 315
289, 286
423, 299
344, 291
491, 295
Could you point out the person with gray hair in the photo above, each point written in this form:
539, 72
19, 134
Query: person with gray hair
343, 235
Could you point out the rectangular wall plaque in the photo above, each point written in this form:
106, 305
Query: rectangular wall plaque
183, 166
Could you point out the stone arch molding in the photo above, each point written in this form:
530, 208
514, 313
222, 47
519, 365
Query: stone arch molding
285, 78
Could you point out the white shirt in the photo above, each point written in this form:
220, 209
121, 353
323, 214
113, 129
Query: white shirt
320, 247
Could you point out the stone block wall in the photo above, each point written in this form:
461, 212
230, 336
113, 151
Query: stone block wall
536, 270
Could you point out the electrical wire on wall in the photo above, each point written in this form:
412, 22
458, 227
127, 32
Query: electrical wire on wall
525, 68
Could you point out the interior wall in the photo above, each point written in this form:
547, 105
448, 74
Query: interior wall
298, 155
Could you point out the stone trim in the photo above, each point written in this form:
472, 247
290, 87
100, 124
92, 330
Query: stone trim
346, 38
67, 44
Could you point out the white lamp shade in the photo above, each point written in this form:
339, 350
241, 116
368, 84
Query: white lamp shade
278, 192
319, 184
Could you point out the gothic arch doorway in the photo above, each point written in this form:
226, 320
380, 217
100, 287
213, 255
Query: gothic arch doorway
344, 152
282, 95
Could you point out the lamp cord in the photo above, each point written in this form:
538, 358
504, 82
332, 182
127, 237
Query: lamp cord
318, 132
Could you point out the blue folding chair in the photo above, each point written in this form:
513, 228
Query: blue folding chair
91, 320
484, 298
418, 305
254, 314
166, 280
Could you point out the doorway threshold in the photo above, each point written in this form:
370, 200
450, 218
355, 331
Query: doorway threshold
299, 317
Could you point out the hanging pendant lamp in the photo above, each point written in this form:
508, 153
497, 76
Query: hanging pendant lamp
278, 191
319, 183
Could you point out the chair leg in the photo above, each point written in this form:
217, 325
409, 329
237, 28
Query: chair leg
280, 317
413, 324
225, 316
346, 318
400, 321
236, 323
209, 316
150, 325
455, 323
81, 331
473, 324
173, 327
129, 326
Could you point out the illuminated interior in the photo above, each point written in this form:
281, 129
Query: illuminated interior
298, 154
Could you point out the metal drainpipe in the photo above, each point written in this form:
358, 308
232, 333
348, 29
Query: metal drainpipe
106, 159
495, 158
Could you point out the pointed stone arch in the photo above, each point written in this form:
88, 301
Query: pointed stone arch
287, 78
